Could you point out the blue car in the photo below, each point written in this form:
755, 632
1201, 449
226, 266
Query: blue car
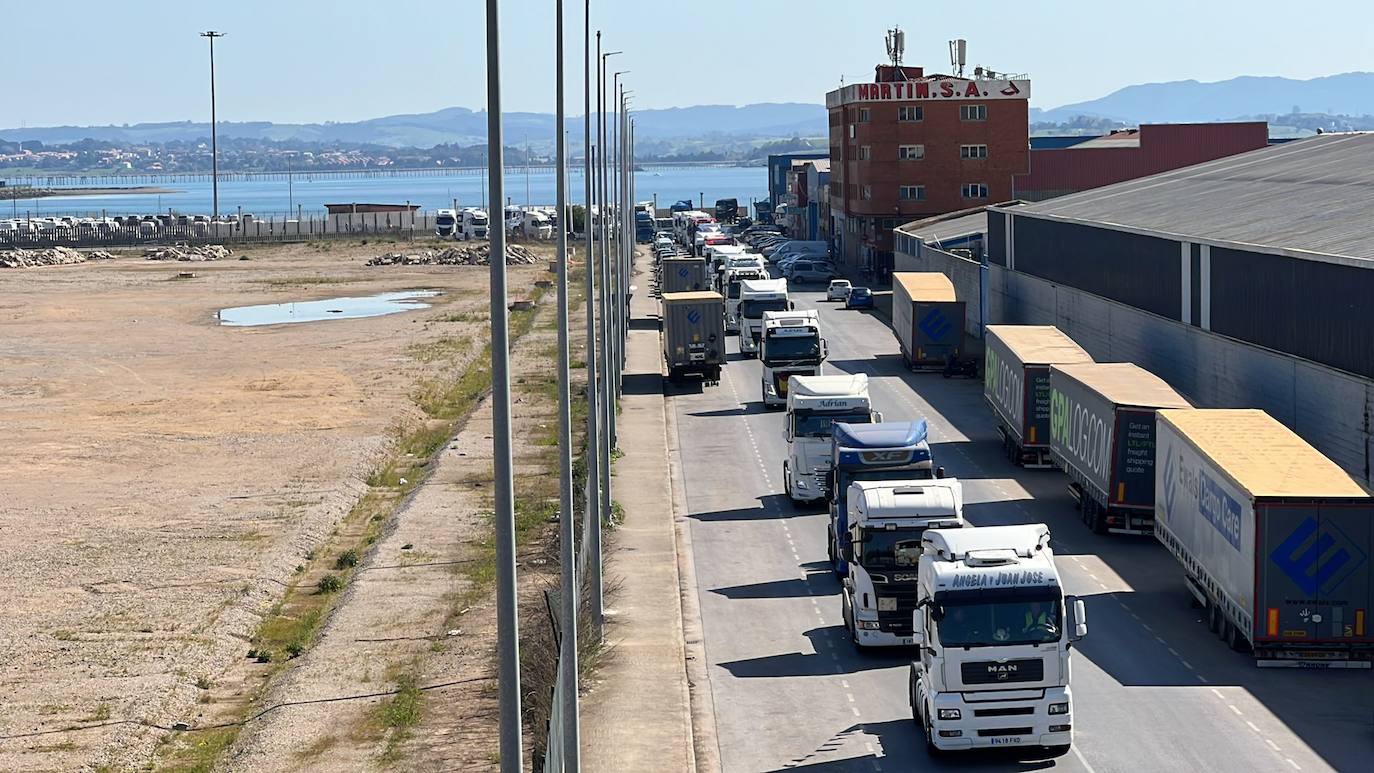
859, 298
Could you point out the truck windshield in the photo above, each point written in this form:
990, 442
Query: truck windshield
999, 623
811, 424
755, 309
444, 220
791, 348
890, 549
733, 290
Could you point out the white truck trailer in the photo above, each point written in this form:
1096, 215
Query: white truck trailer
886, 522
994, 630
755, 297
791, 346
1274, 538
814, 403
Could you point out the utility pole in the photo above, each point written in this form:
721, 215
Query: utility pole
609, 439
567, 654
593, 449
507, 613
214, 134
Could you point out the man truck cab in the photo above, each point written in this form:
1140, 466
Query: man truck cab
814, 403
791, 346
755, 297
994, 630
887, 519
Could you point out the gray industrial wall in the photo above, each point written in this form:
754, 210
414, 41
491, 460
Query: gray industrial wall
1331, 409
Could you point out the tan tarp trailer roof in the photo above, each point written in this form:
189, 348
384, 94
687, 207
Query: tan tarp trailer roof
696, 295
1261, 455
1124, 383
926, 285
1039, 344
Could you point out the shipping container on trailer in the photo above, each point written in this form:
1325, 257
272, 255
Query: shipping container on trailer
1102, 434
693, 335
1016, 384
684, 275
927, 318
1275, 539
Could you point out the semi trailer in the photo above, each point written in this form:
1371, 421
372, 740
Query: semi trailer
1273, 537
1102, 434
1016, 385
683, 275
927, 318
693, 335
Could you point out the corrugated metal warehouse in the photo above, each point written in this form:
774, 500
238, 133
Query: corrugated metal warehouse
1274, 247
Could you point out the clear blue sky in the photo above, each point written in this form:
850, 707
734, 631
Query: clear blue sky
88, 62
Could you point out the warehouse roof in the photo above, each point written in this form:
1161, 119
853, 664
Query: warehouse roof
1261, 455
1308, 198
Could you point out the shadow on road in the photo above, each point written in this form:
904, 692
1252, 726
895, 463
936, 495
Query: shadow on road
644, 323
642, 384
747, 409
777, 589
902, 748
833, 654
771, 507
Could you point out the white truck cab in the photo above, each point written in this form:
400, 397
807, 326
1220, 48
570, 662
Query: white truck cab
730, 284
791, 346
887, 519
473, 224
755, 297
445, 223
814, 403
994, 630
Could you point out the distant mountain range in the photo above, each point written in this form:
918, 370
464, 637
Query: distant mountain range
1350, 93
461, 126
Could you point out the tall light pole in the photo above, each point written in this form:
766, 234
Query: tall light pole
593, 448
608, 438
567, 654
214, 134
616, 327
507, 613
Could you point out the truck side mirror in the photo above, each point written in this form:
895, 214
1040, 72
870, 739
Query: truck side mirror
877, 417
918, 634
791, 305
825, 351
787, 432
939, 472
1080, 618
847, 552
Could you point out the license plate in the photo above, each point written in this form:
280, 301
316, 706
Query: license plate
697, 356
907, 641
887, 604
1006, 740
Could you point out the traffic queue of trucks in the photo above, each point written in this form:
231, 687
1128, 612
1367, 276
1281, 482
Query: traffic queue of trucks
983, 604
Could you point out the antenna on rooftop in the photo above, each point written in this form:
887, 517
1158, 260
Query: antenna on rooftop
958, 56
896, 45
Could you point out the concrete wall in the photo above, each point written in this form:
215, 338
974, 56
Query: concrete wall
1330, 409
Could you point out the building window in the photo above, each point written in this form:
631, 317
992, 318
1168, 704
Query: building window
973, 151
973, 112
865, 152
911, 113
911, 152
866, 191
975, 191
864, 116
851, 131
912, 193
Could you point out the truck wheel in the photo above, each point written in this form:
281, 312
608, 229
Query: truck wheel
1237, 641
929, 733
787, 484
830, 548
1213, 618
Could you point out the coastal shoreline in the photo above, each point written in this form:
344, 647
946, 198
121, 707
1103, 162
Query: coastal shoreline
43, 193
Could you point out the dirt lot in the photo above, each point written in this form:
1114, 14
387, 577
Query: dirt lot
162, 477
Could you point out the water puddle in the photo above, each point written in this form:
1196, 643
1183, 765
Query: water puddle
331, 308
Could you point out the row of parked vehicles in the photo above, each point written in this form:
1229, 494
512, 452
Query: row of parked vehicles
72, 228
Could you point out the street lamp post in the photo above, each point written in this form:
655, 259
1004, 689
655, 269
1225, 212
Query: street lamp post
595, 428
214, 134
608, 438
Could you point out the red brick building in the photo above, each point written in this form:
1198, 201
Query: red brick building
910, 145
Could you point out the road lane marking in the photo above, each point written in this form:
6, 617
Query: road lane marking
854, 709
1083, 760
1295, 765
1186, 664
1232, 707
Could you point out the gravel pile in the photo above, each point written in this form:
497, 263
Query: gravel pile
457, 256
52, 256
185, 253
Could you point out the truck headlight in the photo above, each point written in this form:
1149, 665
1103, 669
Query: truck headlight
1059, 708
950, 714
801, 483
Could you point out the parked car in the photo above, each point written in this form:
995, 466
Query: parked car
803, 271
859, 298
838, 290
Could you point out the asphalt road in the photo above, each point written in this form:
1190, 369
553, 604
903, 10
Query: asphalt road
1153, 689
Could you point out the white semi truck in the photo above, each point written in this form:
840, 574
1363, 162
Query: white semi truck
730, 289
791, 346
814, 403
445, 223
994, 631
886, 522
755, 297
473, 224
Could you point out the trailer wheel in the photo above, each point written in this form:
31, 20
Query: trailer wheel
1213, 618
1236, 641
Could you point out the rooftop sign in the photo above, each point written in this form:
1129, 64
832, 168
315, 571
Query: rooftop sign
928, 90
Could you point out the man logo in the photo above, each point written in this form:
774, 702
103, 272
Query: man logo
936, 325
1317, 566
694, 316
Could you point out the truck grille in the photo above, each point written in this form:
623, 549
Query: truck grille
1016, 712
993, 672
1000, 731
903, 594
